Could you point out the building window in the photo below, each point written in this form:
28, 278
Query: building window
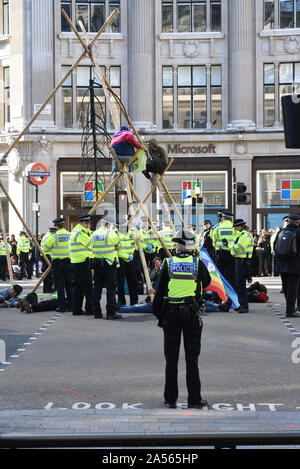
191, 15
92, 13
5, 16
269, 95
281, 14
280, 80
6, 81
67, 98
192, 97
168, 98
269, 14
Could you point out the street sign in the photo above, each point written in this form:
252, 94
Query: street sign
37, 173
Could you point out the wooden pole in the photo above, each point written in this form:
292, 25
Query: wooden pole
110, 18
167, 209
149, 220
173, 203
137, 237
11, 277
155, 185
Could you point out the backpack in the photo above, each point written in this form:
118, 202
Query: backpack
256, 296
286, 246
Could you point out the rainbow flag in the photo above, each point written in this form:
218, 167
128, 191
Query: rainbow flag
218, 283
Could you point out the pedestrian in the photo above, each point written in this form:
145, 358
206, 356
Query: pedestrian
242, 250
124, 144
223, 237
23, 248
176, 304
58, 246
81, 252
287, 254
207, 241
9, 296
105, 245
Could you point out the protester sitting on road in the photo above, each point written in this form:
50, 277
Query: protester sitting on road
9, 296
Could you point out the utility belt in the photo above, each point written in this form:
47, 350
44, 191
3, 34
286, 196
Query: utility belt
65, 260
187, 305
101, 262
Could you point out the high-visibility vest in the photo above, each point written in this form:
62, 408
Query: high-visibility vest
59, 244
243, 245
183, 273
127, 246
104, 243
44, 243
23, 245
225, 230
3, 248
80, 244
148, 237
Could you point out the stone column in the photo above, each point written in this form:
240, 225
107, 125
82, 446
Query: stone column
241, 41
141, 60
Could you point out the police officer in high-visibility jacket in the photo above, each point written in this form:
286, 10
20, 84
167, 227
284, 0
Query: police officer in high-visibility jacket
58, 245
176, 304
105, 244
223, 237
127, 268
81, 252
23, 248
48, 282
3, 259
242, 250
166, 235
149, 240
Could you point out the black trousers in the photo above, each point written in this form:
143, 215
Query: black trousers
240, 282
48, 282
127, 270
25, 265
3, 267
105, 276
225, 264
47, 305
176, 323
82, 287
290, 284
63, 283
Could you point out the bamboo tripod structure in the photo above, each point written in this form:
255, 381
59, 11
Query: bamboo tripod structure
18, 139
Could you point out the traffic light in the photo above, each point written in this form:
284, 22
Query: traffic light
242, 197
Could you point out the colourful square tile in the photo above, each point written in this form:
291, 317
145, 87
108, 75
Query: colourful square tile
285, 195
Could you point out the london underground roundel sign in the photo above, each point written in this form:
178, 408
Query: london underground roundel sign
37, 173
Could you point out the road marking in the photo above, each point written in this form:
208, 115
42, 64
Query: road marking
284, 320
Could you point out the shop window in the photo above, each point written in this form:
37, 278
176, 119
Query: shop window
278, 189
191, 15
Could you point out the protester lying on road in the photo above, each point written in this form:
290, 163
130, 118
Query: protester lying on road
9, 296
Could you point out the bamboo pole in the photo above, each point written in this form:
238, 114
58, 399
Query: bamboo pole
53, 93
141, 251
173, 203
11, 277
167, 209
149, 219
155, 185
30, 234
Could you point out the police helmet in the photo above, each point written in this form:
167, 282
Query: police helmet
185, 239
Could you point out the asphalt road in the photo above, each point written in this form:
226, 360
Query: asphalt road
248, 361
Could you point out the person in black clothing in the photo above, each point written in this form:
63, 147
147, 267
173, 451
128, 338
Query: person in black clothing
207, 241
158, 159
289, 269
177, 313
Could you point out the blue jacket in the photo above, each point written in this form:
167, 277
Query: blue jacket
4, 297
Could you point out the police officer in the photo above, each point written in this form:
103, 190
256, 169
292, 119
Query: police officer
105, 244
149, 241
207, 241
80, 246
127, 268
3, 259
176, 304
23, 248
223, 237
48, 283
58, 245
166, 235
242, 250
289, 268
